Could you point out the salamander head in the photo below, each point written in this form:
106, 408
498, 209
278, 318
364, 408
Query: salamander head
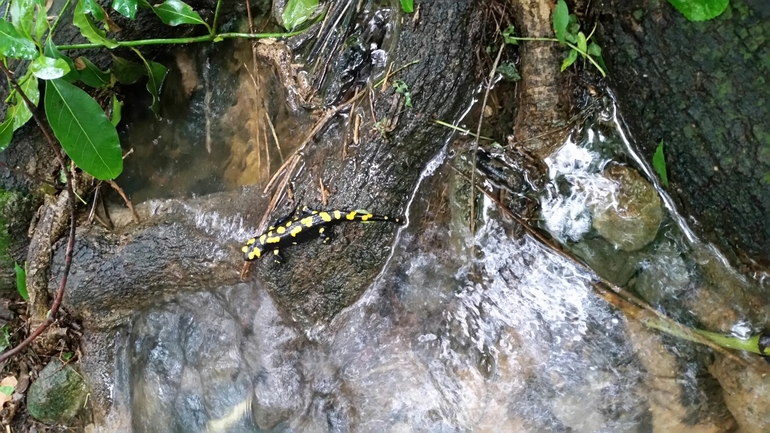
251, 251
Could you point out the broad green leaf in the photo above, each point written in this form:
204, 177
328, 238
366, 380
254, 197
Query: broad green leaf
91, 75
407, 6
41, 23
659, 163
51, 51
7, 390
582, 44
297, 12
21, 281
94, 8
83, 130
127, 72
88, 28
6, 129
30, 88
560, 20
22, 12
175, 12
117, 109
127, 8
14, 45
156, 73
700, 10
573, 55
47, 68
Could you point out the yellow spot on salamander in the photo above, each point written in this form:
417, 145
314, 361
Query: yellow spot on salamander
314, 212
275, 252
351, 216
366, 217
307, 221
245, 248
262, 239
321, 230
337, 214
251, 241
273, 239
295, 231
288, 224
325, 216
281, 230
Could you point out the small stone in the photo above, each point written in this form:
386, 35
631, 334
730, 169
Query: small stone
629, 216
57, 394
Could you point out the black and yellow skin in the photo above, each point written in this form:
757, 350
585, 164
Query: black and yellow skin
308, 224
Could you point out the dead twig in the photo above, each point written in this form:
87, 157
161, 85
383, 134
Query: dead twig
117, 188
71, 240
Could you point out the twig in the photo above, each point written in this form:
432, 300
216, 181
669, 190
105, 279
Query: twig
317, 127
275, 136
476, 139
625, 296
70, 242
117, 188
27, 175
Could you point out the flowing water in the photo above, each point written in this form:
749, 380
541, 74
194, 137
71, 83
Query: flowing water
486, 333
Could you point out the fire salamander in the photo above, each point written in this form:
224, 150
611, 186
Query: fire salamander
304, 226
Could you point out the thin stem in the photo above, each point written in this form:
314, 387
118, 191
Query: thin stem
590, 59
56, 22
216, 15
462, 130
182, 41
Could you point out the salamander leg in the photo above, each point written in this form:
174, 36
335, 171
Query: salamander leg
277, 257
325, 234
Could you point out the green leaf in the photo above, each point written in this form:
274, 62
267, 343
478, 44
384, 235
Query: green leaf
127, 8
51, 51
83, 130
92, 76
508, 36
659, 163
92, 7
6, 130
117, 109
582, 44
156, 73
22, 12
594, 50
88, 28
47, 68
14, 45
407, 6
175, 12
508, 70
41, 23
21, 281
127, 72
7, 390
573, 26
573, 55
560, 21
700, 10
30, 88
297, 12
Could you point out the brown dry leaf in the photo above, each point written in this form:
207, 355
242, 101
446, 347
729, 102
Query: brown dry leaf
80, 64
8, 381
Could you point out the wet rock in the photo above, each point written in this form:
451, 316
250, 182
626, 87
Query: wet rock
57, 394
746, 392
664, 275
615, 266
630, 215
